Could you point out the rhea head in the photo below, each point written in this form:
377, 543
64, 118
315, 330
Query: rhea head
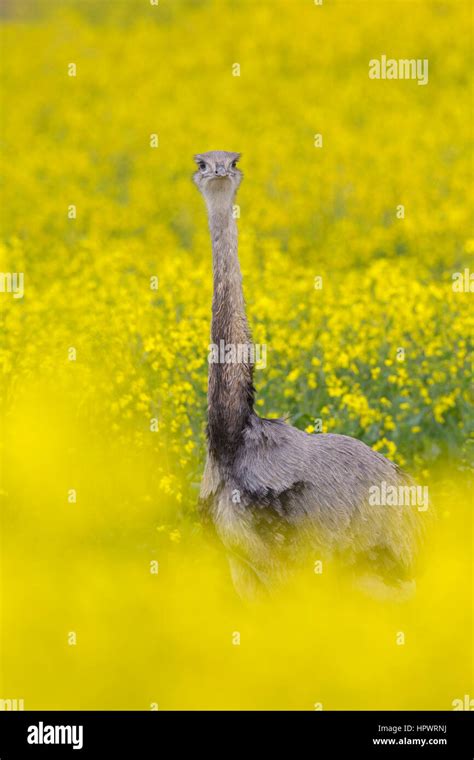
217, 176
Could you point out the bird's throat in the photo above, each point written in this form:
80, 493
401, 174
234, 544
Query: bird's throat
230, 389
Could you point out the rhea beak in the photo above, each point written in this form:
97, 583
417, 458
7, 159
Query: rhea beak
220, 171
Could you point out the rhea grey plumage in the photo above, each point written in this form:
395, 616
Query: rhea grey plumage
272, 491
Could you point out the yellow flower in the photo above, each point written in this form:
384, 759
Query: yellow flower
293, 375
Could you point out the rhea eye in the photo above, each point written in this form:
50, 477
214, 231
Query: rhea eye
234, 164
202, 165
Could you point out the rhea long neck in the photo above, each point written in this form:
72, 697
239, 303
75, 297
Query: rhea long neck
230, 388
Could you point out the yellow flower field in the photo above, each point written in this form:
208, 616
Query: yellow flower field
104, 358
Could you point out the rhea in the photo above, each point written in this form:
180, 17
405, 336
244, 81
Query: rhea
273, 492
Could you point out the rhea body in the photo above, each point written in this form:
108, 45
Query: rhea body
272, 491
